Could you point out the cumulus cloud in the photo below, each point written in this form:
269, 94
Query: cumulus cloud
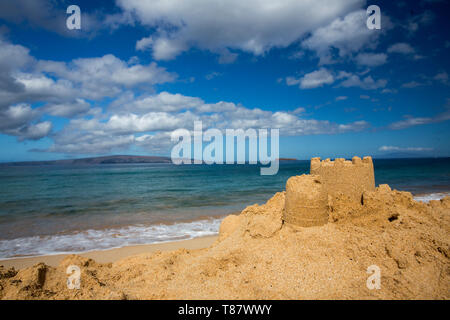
22, 121
148, 128
253, 26
72, 89
152, 121
347, 35
313, 79
68, 109
163, 101
105, 76
316, 79
62, 88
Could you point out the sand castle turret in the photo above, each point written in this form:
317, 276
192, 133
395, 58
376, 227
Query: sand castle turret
306, 201
351, 178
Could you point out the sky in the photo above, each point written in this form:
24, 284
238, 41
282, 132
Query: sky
139, 69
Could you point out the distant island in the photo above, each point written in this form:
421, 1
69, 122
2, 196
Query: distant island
95, 160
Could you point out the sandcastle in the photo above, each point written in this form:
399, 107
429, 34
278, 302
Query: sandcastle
306, 201
351, 178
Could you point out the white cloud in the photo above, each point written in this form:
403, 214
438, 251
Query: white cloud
367, 83
291, 81
414, 149
340, 98
121, 129
253, 26
69, 109
105, 76
299, 110
97, 142
347, 35
35, 131
371, 59
402, 48
163, 101
152, 121
316, 79
322, 76
22, 121
62, 87
313, 79
415, 121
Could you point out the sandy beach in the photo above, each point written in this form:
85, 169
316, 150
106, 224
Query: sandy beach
331, 234
111, 255
258, 255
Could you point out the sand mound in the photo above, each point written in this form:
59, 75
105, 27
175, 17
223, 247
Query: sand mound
258, 256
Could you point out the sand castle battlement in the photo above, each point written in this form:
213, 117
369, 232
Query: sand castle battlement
351, 178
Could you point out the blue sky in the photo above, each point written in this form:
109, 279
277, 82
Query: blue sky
137, 70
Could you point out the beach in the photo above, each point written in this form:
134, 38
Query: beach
111, 255
330, 234
258, 255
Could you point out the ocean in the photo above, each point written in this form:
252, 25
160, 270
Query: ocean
68, 209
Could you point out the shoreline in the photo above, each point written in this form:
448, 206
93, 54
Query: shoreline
110, 252
111, 255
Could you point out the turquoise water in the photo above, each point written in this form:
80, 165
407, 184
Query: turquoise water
55, 209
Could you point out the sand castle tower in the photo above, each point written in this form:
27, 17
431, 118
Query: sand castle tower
351, 178
306, 201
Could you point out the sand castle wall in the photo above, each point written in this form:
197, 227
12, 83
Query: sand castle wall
306, 201
351, 178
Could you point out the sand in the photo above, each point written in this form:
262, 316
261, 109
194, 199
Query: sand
111, 255
259, 256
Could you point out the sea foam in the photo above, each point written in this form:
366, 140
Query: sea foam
107, 239
431, 196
